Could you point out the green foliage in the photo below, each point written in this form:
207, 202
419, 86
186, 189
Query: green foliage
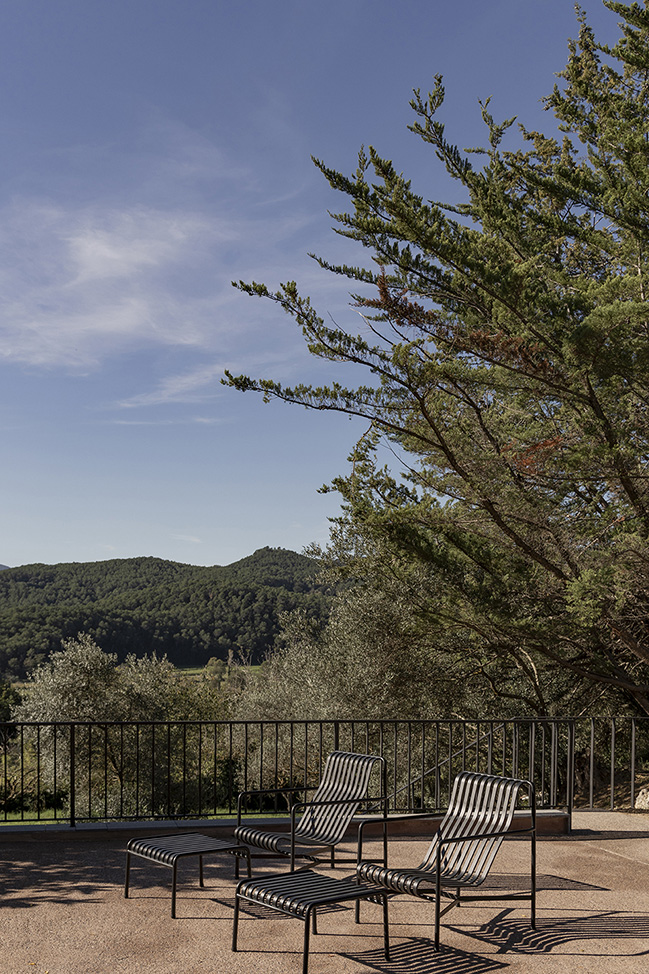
506, 350
9, 698
81, 682
142, 606
367, 662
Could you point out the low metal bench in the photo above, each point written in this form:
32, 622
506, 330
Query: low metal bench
168, 849
300, 893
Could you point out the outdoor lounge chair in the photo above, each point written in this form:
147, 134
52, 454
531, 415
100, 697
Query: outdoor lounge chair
462, 852
325, 818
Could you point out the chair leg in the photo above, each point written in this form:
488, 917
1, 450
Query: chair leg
314, 922
128, 870
533, 883
386, 929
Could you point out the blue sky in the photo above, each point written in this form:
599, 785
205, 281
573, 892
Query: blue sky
155, 150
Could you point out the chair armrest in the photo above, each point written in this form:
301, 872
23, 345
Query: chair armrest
485, 835
334, 801
386, 818
268, 791
406, 816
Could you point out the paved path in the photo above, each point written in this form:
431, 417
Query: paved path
62, 912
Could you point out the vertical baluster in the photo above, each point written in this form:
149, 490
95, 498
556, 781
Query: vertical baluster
632, 782
613, 734
73, 776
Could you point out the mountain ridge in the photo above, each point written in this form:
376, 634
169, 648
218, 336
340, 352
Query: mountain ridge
147, 604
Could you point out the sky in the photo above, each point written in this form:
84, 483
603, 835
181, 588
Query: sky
153, 152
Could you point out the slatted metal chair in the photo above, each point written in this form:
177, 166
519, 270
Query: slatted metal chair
325, 817
479, 816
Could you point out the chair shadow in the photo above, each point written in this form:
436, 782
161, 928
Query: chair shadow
511, 934
418, 954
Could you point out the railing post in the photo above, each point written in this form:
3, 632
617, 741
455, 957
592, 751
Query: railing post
73, 790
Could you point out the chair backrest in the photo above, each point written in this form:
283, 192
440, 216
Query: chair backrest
345, 779
480, 804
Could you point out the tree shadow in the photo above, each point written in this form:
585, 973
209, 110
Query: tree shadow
74, 870
57, 872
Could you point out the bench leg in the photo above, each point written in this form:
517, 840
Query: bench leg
128, 869
235, 923
173, 890
200, 871
305, 955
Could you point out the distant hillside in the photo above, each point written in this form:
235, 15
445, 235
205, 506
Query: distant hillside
145, 605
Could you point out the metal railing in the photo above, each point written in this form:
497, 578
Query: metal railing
127, 771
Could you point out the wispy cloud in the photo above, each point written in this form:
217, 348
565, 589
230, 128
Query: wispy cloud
80, 284
177, 421
191, 386
187, 537
150, 267
77, 286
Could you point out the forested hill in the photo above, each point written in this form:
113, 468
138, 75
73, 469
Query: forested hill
145, 605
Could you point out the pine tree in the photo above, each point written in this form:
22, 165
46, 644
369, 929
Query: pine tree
506, 345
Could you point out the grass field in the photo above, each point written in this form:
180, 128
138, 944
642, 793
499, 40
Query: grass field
196, 672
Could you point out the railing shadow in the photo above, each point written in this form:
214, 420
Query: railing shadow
544, 882
511, 934
601, 835
418, 954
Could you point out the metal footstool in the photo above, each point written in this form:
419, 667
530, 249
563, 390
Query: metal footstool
168, 849
299, 894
